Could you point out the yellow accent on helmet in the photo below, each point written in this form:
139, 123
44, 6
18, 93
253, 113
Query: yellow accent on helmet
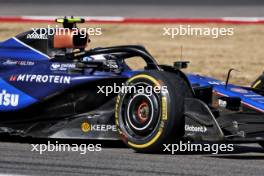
70, 20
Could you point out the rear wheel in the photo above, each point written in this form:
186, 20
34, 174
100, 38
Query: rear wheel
152, 112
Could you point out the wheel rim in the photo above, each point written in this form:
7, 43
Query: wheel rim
137, 120
143, 111
140, 114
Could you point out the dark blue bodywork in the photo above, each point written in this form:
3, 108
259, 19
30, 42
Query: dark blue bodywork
248, 97
28, 76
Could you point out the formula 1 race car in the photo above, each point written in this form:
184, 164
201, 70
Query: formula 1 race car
52, 87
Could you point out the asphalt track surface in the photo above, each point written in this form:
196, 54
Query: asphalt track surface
115, 159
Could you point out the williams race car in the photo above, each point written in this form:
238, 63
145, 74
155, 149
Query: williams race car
52, 87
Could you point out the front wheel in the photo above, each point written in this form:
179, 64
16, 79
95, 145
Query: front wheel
151, 112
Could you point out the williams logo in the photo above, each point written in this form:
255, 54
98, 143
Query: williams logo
41, 79
61, 67
7, 99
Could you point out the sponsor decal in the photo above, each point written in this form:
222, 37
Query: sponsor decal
87, 127
103, 128
56, 79
15, 62
61, 67
252, 95
191, 128
8, 99
164, 108
216, 83
239, 90
37, 36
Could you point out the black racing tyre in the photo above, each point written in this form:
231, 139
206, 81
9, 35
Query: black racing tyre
150, 112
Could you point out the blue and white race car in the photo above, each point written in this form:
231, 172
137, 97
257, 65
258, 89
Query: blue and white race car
51, 87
